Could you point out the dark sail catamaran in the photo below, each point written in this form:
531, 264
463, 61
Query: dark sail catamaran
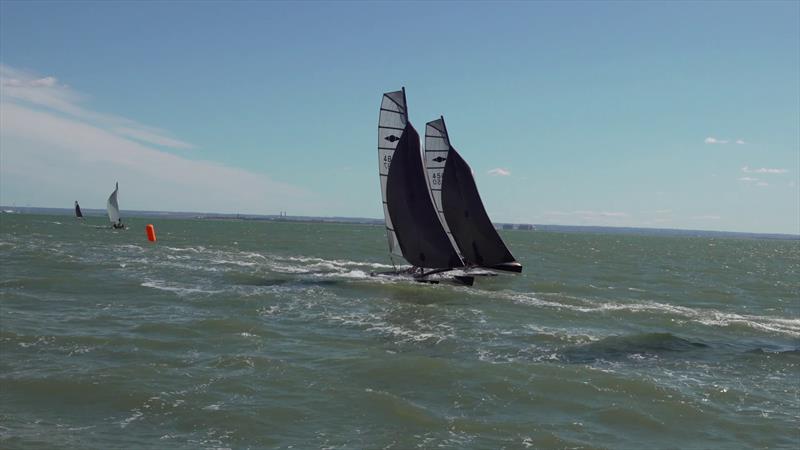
435, 222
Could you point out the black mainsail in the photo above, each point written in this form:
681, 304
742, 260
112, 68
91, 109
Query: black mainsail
459, 204
78, 212
412, 225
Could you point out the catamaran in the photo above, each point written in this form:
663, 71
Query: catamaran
78, 212
434, 217
112, 207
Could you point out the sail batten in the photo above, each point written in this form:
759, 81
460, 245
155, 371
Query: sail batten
413, 228
437, 146
391, 122
460, 206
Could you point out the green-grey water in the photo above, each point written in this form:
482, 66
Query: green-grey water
255, 334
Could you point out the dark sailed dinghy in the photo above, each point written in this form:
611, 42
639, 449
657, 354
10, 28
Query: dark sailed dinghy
78, 212
459, 204
413, 227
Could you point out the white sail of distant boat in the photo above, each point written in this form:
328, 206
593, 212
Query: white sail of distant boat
113, 207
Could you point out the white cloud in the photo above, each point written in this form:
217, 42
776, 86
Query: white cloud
500, 172
746, 169
54, 152
24, 88
748, 179
713, 140
762, 184
740, 142
707, 217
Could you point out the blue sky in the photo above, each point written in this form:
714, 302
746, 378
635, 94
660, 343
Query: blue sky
674, 115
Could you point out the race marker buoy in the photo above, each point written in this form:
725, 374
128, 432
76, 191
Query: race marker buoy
151, 232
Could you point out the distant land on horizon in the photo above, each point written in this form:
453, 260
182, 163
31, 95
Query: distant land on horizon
379, 222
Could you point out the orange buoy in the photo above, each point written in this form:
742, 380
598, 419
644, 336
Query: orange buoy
151, 232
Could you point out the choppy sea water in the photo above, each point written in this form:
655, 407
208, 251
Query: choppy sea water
245, 334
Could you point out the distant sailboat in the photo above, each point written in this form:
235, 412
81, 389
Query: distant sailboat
434, 215
459, 204
112, 207
78, 212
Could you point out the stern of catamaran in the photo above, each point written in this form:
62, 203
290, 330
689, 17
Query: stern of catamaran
507, 267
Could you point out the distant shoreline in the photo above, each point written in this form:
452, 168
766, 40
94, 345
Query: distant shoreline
379, 222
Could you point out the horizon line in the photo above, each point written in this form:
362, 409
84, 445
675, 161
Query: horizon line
381, 220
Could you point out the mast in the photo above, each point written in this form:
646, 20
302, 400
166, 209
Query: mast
392, 121
437, 147
413, 228
460, 206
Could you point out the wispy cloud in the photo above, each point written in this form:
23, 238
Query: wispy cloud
747, 169
762, 184
707, 217
28, 89
588, 214
500, 172
56, 150
713, 140
748, 179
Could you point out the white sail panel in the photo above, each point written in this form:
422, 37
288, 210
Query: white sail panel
437, 148
112, 206
392, 121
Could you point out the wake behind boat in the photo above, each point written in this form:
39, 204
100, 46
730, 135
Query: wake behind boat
418, 208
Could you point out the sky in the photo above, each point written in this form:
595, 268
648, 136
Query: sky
667, 115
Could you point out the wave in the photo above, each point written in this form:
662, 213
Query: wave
709, 317
180, 290
636, 346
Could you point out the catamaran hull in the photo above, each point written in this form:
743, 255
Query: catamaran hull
458, 280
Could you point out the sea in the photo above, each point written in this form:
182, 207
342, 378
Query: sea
247, 334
